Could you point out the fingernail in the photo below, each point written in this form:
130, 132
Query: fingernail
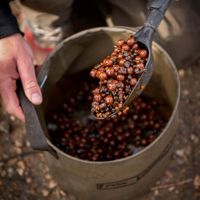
36, 98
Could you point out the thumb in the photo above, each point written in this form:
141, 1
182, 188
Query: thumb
27, 74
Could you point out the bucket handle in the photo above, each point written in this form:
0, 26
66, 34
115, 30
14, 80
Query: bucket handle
33, 126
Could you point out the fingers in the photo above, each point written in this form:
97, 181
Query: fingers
17, 59
10, 99
27, 74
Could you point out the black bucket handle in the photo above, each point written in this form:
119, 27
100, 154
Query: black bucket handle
34, 129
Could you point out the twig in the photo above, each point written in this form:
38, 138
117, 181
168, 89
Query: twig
21, 155
166, 186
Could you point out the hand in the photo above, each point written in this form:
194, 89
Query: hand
16, 62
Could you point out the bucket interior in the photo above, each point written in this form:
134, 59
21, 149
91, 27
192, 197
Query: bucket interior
68, 66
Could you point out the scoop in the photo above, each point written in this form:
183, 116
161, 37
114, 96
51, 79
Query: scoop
144, 38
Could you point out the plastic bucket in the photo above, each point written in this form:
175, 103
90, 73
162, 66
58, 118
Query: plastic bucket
121, 179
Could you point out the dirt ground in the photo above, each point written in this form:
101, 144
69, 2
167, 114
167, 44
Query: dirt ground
24, 174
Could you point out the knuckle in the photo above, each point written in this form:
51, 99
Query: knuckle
31, 85
29, 61
26, 63
9, 109
12, 110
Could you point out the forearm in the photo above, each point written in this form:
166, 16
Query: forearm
8, 23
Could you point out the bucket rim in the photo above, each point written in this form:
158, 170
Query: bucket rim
173, 114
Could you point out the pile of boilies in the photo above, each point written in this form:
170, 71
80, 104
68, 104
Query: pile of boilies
103, 140
118, 74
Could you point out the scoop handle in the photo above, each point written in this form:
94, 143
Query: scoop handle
157, 11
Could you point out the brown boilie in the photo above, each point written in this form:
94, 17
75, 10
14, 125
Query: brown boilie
118, 72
